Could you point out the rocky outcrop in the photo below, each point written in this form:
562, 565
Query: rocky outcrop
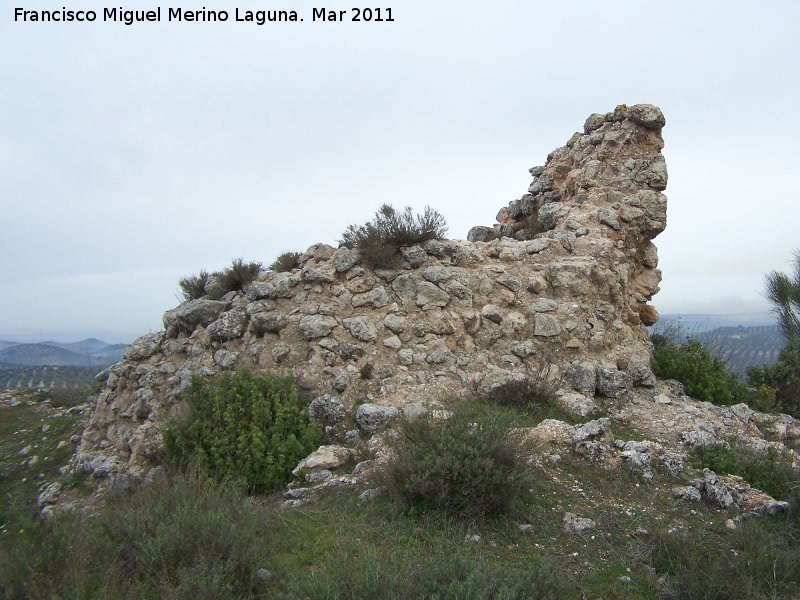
458, 318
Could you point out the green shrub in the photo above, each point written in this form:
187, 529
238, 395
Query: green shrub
67, 397
186, 537
783, 377
247, 428
705, 376
770, 471
286, 262
193, 286
380, 240
463, 468
238, 275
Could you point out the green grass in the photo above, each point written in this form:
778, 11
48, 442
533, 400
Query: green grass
191, 537
21, 474
770, 472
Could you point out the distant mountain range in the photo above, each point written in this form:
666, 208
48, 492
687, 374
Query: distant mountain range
694, 324
86, 353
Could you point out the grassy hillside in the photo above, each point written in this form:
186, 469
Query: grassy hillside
186, 536
742, 347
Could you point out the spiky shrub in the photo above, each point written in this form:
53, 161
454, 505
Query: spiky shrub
705, 376
782, 378
243, 427
193, 286
535, 389
238, 275
783, 292
467, 469
379, 241
286, 262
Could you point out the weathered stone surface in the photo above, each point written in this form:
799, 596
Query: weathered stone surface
537, 245
549, 214
436, 274
577, 404
546, 325
613, 382
639, 370
326, 410
583, 377
144, 347
230, 325
652, 172
372, 418
430, 295
376, 298
415, 256
326, 457
437, 357
191, 314
608, 216
688, 492
575, 524
718, 491
492, 313
480, 233
267, 322
312, 275
279, 353
316, 326
345, 259
278, 287
512, 282
647, 115
225, 359
524, 349
542, 305
394, 323
393, 342
361, 328
648, 315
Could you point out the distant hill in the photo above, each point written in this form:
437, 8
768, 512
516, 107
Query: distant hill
86, 353
742, 347
89, 347
103, 352
41, 355
694, 324
111, 354
741, 340
4, 344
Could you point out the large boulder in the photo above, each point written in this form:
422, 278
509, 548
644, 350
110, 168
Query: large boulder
187, 316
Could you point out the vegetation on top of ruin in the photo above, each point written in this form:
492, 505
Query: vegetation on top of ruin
379, 241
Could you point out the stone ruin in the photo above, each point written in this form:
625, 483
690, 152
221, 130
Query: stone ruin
559, 285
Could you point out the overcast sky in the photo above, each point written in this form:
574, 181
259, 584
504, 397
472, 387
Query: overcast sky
132, 156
